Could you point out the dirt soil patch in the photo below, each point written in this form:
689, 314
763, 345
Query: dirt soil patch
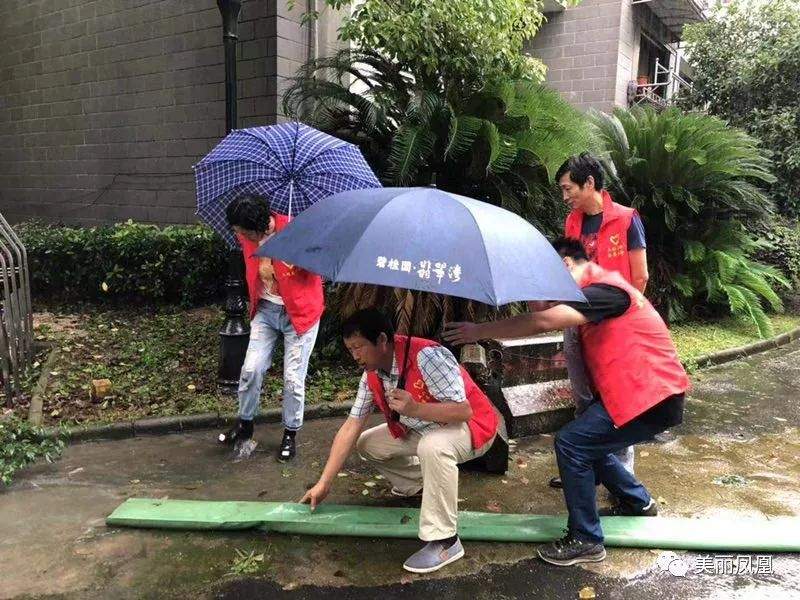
159, 363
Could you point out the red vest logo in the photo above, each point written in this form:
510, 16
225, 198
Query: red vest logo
615, 249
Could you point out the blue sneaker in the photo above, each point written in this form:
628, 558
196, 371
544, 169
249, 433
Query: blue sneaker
433, 556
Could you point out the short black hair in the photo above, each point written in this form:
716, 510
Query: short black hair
570, 248
249, 212
369, 323
580, 167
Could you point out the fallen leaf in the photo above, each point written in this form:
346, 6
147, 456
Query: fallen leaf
379, 477
74, 471
365, 492
191, 387
341, 474
524, 480
493, 506
587, 593
104, 286
55, 374
370, 484
134, 481
503, 481
661, 500
644, 453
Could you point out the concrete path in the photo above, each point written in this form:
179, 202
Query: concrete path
736, 453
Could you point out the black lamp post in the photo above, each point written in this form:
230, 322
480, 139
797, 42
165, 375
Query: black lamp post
235, 332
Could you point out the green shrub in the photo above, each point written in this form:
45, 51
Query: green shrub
781, 248
692, 178
22, 444
746, 63
130, 261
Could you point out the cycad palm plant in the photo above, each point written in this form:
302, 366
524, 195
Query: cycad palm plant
501, 144
694, 181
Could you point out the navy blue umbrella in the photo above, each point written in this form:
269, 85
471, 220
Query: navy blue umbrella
428, 240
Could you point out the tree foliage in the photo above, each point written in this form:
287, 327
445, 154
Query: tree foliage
746, 60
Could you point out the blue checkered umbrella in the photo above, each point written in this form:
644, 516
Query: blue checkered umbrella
291, 164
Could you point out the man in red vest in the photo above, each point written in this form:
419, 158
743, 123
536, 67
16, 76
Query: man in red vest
437, 421
613, 236
285, 302
640, 383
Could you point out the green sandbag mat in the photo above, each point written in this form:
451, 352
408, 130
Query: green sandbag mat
725, 534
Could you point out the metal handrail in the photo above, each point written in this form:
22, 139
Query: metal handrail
16, 313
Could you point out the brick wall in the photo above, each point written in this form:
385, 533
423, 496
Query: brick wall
580, 48
106, 105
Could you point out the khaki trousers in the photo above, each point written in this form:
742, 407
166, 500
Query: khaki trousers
428, 461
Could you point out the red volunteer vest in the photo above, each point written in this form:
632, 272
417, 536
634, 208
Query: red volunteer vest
301, 290
631, 358
482, 425
612, 238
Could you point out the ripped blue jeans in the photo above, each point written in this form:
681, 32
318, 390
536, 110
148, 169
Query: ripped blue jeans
270, 323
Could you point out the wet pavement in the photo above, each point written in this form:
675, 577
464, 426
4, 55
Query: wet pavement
737, 453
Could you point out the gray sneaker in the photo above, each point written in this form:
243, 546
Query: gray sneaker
433, 556
243, 449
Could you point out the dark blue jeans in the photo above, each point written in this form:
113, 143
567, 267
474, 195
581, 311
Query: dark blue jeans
585, 453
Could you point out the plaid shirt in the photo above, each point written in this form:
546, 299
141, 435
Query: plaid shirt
440, 372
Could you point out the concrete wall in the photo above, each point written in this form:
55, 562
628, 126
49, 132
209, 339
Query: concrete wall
106, 105
592, 50
635, 20
580, 46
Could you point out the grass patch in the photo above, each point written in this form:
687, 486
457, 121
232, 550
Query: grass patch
704, 337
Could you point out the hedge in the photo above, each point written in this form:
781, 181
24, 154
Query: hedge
183, 264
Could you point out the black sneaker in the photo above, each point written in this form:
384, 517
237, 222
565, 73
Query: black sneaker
570, 551
242, 430
623, 509
287, 450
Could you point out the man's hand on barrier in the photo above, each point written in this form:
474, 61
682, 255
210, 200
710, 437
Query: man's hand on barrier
316, 494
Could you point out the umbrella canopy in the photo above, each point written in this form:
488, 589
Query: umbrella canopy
425, 239
291, 164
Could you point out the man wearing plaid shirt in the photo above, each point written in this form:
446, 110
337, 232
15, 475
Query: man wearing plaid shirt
443, 420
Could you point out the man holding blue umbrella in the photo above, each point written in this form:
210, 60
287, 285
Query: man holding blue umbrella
442, 419
432, 241
249, 186
285, 302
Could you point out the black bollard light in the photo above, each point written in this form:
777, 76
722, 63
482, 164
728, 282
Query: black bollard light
235, 332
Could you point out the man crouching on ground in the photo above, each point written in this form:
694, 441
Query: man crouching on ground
444, 420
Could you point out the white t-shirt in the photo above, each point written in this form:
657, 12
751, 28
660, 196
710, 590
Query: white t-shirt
266, 273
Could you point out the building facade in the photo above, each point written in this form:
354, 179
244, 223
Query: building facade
607, 53
106, 105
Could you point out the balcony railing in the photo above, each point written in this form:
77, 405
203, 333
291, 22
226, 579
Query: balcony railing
666, 85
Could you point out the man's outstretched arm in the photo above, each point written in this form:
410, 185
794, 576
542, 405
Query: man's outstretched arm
560, 316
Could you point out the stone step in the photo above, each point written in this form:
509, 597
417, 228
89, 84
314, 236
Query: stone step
533, 408
527, 360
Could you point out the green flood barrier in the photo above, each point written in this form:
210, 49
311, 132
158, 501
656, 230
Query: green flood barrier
779, 534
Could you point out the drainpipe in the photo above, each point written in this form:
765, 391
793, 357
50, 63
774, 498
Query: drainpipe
312, 41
